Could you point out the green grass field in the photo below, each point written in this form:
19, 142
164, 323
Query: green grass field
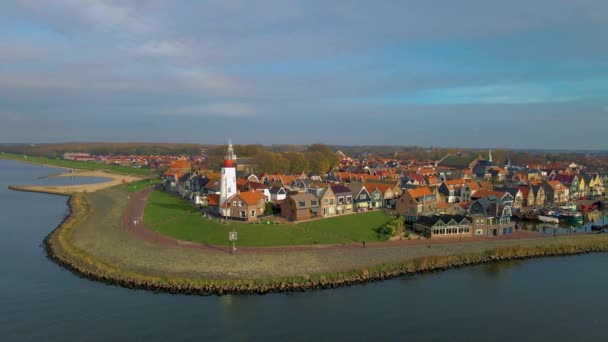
76, 164
141, 184
177, 218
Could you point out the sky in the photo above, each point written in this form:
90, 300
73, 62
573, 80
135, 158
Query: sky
467, 73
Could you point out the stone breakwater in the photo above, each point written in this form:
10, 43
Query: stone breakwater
59, 249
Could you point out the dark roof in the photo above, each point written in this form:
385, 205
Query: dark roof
510, 191
456, 161
275, 190
430, 221
306, 199
340, 190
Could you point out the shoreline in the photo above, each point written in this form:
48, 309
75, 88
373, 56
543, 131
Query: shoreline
87, 266
60, 249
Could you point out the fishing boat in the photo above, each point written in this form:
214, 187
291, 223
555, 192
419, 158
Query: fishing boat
571, 217
548, 219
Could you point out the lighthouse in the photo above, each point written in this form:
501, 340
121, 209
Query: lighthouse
228, 177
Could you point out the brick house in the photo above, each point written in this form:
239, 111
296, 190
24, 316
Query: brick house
302, 206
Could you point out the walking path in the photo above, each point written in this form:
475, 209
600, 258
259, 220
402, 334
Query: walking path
134, 223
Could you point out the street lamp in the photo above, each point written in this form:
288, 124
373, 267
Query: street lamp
233, 236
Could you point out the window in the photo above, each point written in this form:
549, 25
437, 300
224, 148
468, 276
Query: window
253, 213
363, 196
302, 203
331, 201
340, 200
243, 214
349, 199
234, 203
313, 202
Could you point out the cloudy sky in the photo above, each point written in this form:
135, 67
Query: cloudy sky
468, 73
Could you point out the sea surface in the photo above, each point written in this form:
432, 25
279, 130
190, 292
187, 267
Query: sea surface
557, 299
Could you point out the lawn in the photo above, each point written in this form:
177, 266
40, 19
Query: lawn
175, 217
76, 164
141, 184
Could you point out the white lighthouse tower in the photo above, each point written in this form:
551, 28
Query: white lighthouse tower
228, 178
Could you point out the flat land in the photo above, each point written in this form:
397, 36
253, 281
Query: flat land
175, 217
103, 235
72, 164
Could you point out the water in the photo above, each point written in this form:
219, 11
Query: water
590, 219
545, 299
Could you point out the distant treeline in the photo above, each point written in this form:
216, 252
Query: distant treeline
57, 150
317, 158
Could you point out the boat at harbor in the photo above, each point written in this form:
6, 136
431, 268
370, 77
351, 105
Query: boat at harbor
571, 217
548, 219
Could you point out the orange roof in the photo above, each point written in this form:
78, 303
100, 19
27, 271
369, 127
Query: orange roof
486, 185
474, 186
213, 199
485, 193
381, 187
420, 192
251, 197
556, 185
442, 205
180, 164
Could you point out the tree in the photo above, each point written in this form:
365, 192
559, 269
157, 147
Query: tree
330, 156
271, 162
297, 162
318, 163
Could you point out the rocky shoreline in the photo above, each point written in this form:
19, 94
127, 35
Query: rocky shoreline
87, 267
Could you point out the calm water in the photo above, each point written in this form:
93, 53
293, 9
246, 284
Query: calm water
550, 299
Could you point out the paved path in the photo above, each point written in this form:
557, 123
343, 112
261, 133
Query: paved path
134, 223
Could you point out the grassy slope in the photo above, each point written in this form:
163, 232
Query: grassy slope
140, 185
175, 217
77, 164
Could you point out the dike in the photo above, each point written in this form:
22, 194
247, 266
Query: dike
59, 249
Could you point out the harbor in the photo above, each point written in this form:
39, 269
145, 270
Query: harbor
583, 216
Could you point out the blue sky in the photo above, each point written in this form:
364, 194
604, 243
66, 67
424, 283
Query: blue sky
469, 73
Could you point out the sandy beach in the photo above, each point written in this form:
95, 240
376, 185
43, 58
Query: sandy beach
113, 179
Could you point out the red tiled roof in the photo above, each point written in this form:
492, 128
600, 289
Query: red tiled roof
213, 199
420, 192
251, 197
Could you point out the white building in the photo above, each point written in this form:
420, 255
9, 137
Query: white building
228, 177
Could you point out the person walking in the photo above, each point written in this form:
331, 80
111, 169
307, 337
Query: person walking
363, 243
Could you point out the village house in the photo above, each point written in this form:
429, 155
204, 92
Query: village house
302, 206
491, 217
361, 196
344, 199
450, 190
515, 193
571, 181
327, 200
277, 193
468, 189
244, 206
536, 196
259, 187
416, 202
555, 192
